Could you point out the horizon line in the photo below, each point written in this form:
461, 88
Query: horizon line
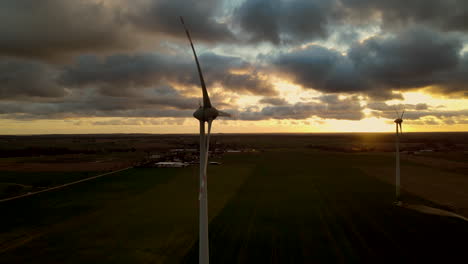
237, 133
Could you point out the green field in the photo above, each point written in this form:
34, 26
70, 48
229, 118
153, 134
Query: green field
13, 183
271, 207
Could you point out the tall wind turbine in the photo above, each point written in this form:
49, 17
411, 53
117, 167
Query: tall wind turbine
399, 132
206, 113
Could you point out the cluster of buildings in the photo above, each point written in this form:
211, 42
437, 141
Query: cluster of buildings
178, 158
183, 157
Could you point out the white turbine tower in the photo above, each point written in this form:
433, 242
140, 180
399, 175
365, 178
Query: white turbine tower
206, 113
399, 132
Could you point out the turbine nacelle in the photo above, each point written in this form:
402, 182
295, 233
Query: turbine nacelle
206, 114
398, 121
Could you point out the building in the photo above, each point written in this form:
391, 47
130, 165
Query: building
170, 164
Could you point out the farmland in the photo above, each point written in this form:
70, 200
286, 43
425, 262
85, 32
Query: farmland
293, 202
324, 210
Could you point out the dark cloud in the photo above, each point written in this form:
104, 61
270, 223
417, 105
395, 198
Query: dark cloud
140, 122
162, 16
413, 115
121, 85
121, 75
284, 21
26, 79
328, 107
259, 18
321, 69
410, 59
159, 97
235, 74
445, 15
420, 46
172, 104
414, 58
53, 29
100, 106
273, 101
419, 114
37, 112
453, 82
382, 106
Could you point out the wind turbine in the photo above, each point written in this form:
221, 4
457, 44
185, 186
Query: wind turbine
206, 113
399, 132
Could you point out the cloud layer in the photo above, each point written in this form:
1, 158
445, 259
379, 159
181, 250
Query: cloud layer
122, 58
413, 58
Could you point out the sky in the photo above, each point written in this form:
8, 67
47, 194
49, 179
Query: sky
125, 66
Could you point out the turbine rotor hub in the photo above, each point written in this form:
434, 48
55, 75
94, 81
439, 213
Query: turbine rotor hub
398, 121
206, 114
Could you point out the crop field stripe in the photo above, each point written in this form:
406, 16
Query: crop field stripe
143, 215
325, 210
90, 208
61, 186
271, 207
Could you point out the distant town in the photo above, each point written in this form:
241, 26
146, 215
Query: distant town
183, 157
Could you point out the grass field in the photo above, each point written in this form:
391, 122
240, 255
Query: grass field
14, 183
325, 209
141, 215
270, 207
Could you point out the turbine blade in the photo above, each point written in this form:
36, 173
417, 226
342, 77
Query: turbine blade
402, 114
206, 98
221, 113
397, 114
401, 130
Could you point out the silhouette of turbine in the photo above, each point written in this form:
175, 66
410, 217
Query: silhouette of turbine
206, 113
399, 132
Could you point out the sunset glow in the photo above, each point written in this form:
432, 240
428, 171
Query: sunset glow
129, 69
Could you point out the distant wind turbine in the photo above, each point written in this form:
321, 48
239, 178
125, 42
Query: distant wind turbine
399, 132
205, 113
